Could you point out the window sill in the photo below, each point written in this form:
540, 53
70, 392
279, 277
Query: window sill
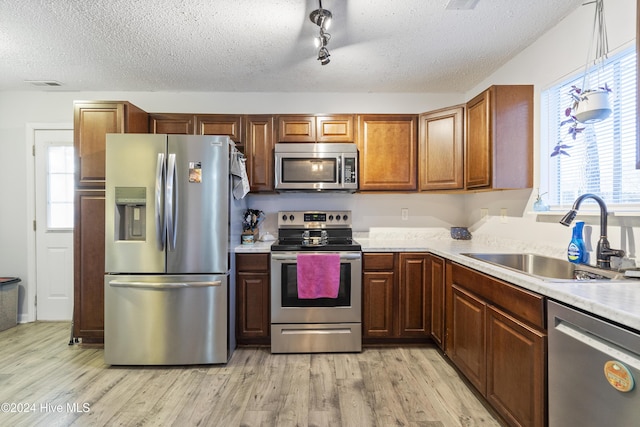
587, 213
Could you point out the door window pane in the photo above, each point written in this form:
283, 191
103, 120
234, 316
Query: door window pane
59, 187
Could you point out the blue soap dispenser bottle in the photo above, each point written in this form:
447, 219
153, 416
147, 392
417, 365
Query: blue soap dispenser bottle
577, 251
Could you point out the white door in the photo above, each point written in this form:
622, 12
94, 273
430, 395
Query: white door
54, 224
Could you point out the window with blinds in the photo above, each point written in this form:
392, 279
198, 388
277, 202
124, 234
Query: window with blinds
602, 157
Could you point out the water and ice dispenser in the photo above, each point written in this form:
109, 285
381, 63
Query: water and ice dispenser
131, 213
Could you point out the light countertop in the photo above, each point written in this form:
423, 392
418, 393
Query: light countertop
618, 301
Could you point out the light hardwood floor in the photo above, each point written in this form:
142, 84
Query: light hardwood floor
51, 383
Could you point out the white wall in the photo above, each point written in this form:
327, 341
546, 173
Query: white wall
555, 55
560, 52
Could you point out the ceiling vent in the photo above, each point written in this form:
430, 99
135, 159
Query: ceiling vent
46, 83
462, 4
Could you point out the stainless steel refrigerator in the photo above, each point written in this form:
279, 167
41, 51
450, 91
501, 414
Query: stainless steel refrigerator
167, 293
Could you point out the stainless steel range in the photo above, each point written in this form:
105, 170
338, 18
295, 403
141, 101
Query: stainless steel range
316, 249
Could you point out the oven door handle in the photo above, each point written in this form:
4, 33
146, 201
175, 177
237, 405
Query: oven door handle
293, 257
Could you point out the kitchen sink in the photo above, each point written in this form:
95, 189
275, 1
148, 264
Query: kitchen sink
547, 268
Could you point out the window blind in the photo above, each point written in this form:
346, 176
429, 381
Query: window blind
602, 157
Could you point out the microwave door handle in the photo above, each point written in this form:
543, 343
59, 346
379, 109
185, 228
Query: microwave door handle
160, 175
340, 169
171, 202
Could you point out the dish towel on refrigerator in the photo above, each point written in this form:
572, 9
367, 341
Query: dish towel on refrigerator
239, 178
318, 275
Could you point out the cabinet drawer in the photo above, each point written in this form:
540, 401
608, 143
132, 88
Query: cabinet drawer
252, 262
522, 304
376, 262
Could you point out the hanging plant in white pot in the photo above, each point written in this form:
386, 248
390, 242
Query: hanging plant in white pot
589, 104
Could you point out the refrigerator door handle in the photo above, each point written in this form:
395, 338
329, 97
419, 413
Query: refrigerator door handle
169, 285
160, 173
171, 202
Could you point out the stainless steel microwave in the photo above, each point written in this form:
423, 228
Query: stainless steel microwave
316, 167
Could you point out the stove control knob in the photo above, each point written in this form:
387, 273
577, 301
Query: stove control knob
330, 217
337, 217
284, 217
291, 217
345, 217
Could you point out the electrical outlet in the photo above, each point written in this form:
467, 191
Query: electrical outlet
404, 213
484, 212
503, 216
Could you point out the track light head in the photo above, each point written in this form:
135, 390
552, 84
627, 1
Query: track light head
323, 56
321, 17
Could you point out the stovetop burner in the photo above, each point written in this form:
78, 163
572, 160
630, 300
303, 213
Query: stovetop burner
315, 231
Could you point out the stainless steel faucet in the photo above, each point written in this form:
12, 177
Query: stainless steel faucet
603, 252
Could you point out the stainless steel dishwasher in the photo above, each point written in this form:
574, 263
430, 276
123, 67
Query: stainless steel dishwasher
593, 365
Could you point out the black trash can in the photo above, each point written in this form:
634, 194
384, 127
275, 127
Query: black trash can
8, 302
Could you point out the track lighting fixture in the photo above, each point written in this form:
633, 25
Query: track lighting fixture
322, 18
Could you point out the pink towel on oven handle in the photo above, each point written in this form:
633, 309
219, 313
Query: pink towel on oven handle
318, 275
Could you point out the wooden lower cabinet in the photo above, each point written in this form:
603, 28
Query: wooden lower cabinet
88, 313
396, 297
253, 299
467, 344
516, 355
378, 291
414, 295
498, 340
436, 271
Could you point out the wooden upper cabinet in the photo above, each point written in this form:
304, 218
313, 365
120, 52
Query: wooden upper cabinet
388, 152
335, 128
259, 141
93, 120
478, 164
220, 124
176, 124
308, 128
441, 149
296, 129
499, 150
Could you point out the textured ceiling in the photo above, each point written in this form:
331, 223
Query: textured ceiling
264, 46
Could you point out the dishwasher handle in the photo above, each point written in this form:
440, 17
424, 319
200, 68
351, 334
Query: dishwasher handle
167, 285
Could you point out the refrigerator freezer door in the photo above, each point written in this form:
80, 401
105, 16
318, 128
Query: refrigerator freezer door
197, 204
133, 224
166, 320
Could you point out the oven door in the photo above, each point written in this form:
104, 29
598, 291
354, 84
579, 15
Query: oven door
286, 307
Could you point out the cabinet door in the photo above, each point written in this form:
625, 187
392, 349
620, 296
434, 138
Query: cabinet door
220, 124
467, 340
259, 152
441, 165
89, 271
516, 369
436, 273
500, 138
177, 124
252, 299
388, 151
377, 310
478, 155
335, 128
253, 319
92, 122
296, 129
414, 295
